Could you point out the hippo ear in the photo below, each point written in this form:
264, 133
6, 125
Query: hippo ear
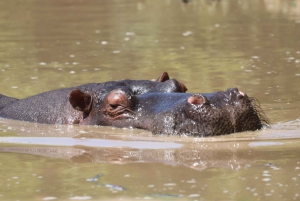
164, 77
81, 101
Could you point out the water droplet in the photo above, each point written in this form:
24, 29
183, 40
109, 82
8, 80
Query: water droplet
169, 184
80, 198
130, 33
49, 198
194, 195
187, 33
191, 181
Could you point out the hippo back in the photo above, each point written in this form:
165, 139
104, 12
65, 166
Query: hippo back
5, 101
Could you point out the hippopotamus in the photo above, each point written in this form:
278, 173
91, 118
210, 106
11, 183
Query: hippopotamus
61, 106
161, 107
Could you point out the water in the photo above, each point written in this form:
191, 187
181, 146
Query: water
207, 45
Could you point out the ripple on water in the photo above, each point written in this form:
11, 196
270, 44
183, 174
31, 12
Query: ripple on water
65, 141
261, 144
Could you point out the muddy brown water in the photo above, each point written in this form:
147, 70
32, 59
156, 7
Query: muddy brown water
208, 45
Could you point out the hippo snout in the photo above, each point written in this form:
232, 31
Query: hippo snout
208, 114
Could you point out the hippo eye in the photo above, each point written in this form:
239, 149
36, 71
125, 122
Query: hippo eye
118, 104
113, 106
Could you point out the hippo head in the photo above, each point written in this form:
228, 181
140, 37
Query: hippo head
113, 99
218, 113
180, 113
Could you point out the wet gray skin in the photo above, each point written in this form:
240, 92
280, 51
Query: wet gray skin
80, 105
217, 113
154, 106
5, 101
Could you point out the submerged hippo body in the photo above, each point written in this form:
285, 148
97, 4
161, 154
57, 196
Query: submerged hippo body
154, 106
5, 101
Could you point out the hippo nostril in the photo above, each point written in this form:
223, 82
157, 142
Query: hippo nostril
241, 95
197, 99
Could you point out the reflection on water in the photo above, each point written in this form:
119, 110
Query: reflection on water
233, 155
208, 45
63, 141
133, 163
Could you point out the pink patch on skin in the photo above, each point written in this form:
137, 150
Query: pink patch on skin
242, 93
196, 100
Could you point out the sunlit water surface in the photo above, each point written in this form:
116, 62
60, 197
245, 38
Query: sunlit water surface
207, 45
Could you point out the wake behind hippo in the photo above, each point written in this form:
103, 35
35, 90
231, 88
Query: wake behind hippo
161, 107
